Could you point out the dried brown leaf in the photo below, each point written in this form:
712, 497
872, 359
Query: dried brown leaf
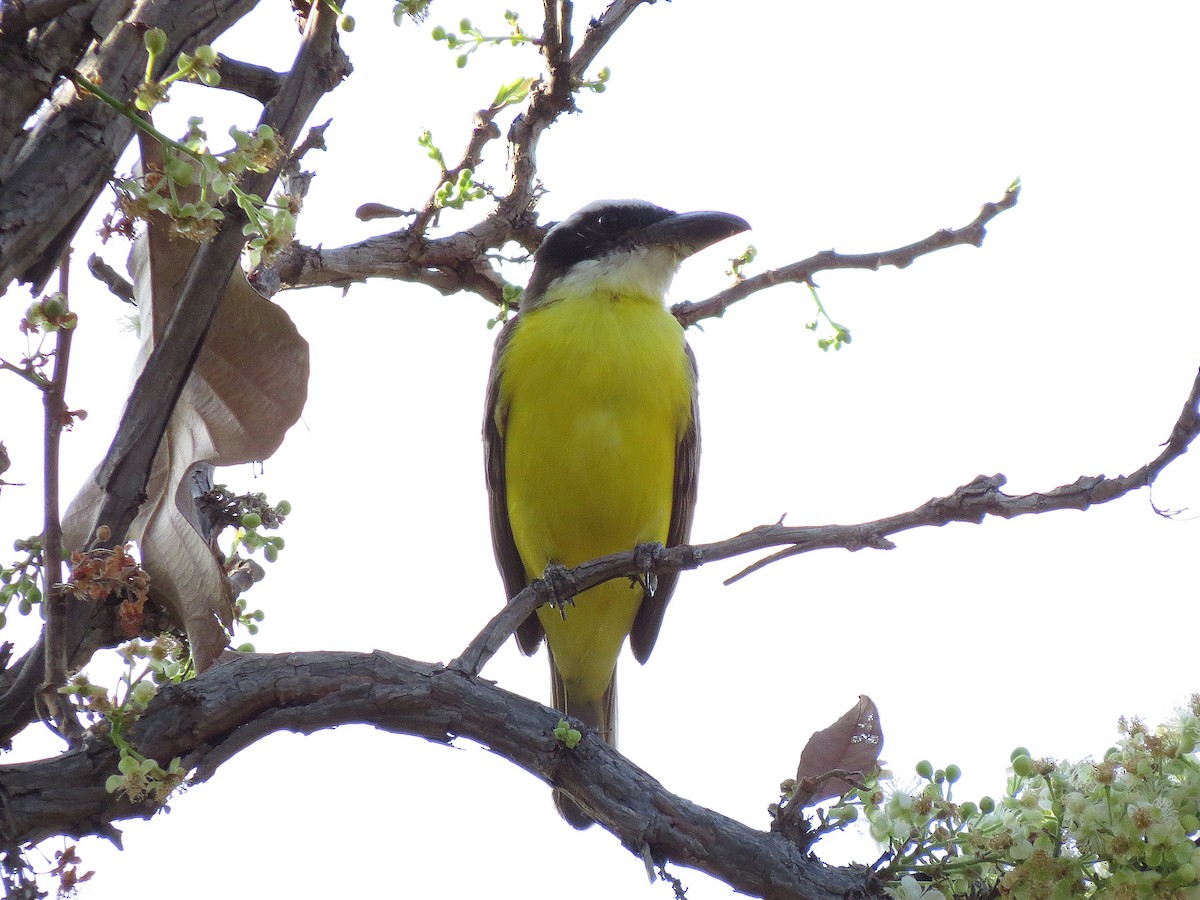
851, 744
247, 389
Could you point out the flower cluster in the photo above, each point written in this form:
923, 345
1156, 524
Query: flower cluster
147, 666
114, 574
1124, 827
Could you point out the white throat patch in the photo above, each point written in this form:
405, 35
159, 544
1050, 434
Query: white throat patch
641, 271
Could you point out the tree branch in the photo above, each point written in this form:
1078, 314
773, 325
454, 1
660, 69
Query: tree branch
972, 502
57, 604
801, 272
458, 262
48, 186
126, 469
20, 15
257, 82
209, 719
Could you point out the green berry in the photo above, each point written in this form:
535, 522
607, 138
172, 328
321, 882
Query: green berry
438, 33
1023, 765
953, 773
155, 40
53, 306
925, 768
987, 805
284, 508
251, 520
1019, 751
346, 23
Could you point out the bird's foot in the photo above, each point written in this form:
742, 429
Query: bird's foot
557, 587
645, 556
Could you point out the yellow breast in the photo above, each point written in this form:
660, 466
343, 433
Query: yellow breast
594, 394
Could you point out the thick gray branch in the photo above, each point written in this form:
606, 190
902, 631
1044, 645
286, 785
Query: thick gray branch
213, 717
49, 184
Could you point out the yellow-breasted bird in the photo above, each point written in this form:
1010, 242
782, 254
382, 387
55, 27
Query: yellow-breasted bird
592, 439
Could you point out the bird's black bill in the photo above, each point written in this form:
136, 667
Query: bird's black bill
691, 231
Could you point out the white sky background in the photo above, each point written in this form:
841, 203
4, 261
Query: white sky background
1064, 347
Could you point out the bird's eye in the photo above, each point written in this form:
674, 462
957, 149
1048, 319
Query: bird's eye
608, 221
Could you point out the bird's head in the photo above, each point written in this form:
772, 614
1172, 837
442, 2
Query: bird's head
628, 247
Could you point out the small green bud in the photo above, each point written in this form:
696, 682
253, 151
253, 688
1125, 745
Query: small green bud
345, 22
438, 33
258, 615
251, 520
245, 648
54, 306
155, 40
968, 810
461, 62
143, 692
464, 26
987, 805
1023, 765
599, 88
283, 508
271, 552
1019, 751
1184, 875
925, 768
953, 773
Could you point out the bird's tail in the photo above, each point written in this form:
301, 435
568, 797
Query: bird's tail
599, 714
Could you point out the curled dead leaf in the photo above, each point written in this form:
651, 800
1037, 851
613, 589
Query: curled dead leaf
852, 744
247, 389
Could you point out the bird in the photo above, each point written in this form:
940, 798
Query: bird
592, 438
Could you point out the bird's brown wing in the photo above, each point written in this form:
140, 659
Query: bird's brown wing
683, 508
508, 559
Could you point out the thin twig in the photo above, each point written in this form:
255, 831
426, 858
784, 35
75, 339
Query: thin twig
111, 278
257, 82
973, 502
689, 313
54, 402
